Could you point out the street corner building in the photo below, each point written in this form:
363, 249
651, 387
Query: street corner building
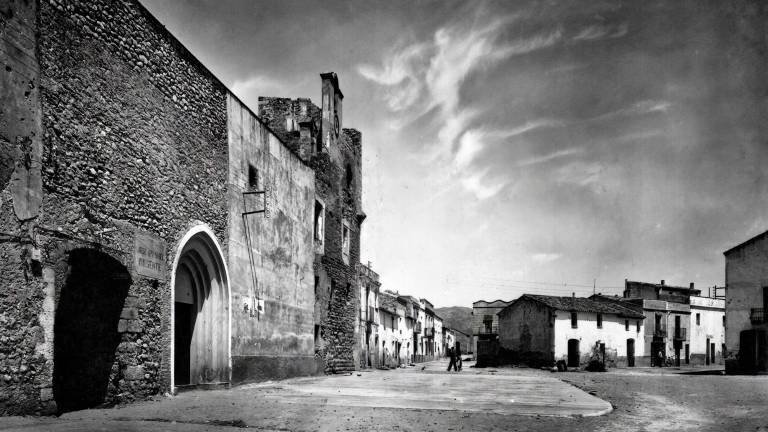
746, 325
155, 233
539, 330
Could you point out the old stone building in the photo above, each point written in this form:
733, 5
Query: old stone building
155, 232
485, 327
335, 153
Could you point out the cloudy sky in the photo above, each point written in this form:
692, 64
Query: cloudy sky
519, 146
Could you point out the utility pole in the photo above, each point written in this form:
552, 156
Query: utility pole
594, 282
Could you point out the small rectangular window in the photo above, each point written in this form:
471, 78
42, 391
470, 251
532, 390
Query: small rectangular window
574, 320
698, 319
638, 326
626, 325
253, 177
599, 320
319, 222
345, 240
723, 320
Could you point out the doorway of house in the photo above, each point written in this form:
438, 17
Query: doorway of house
707, 359
573, 353
630, 352
656, 348
85, 329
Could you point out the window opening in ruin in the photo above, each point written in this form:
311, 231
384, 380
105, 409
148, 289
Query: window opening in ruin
348, 177
253, 177
319, 223
345, 242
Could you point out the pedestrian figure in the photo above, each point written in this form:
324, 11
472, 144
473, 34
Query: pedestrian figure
452, 356
458, 358
660, 358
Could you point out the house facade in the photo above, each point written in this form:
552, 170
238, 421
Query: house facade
684, 327
485, 327
540, 330
746, 322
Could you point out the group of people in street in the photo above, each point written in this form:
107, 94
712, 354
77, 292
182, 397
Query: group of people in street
455, 356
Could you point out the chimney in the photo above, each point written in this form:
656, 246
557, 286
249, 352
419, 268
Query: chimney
691, 285
662, 282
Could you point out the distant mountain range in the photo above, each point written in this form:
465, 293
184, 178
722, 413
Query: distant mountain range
457, 317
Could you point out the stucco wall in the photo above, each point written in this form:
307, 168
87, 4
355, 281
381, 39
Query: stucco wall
711, 313
746, 273
525, 329
613, 333
271, 254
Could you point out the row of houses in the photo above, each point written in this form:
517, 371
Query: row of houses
650, 324
660, 322
396, 330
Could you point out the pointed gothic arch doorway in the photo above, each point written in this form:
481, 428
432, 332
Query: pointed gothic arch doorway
201, 350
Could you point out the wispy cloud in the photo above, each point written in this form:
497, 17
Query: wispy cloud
428, 77
601, 31
643, 107
549, 157
481, 186
544, 258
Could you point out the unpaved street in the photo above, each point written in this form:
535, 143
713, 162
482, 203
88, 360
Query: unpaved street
430, 399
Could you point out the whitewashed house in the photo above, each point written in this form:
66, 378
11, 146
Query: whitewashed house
538, 329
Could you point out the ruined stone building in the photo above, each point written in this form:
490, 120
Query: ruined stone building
155, 233
335, 153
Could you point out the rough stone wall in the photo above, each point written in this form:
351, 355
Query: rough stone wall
526, 331
25, 360
338, 184
271, 254
133, 138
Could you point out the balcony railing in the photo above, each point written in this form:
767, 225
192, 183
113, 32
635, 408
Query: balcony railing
417, 328
660, 331
757, 315
487, 329
371, 314
681, 333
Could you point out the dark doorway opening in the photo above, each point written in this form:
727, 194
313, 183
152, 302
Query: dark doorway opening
687, 353
630, 352
85, 329
658, 353
707, 358
573, 353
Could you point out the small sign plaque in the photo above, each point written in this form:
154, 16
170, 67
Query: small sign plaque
149, 255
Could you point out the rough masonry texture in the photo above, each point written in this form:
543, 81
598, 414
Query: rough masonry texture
335, 154
134, 257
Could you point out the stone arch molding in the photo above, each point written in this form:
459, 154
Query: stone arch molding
201, 313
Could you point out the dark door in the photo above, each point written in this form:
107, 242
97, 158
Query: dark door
183, 326
712, 353
573, 353
656, 348
706, 349
630, 352
677, 355
687, 353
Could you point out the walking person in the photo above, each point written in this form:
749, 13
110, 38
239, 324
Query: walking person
458, 358
452, 356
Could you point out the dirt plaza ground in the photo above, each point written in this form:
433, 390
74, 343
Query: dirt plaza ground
427, 398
